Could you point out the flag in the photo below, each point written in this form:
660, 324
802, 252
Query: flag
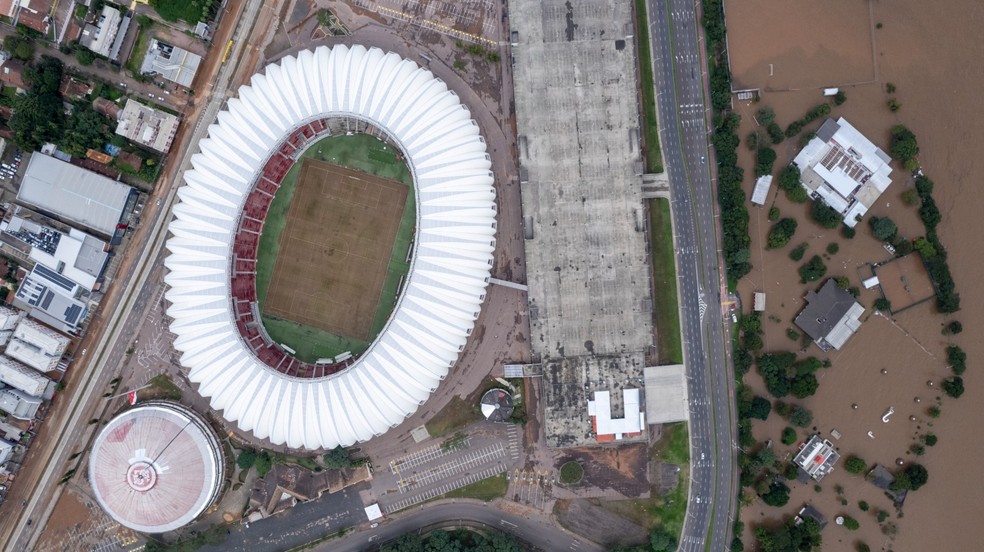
132, 397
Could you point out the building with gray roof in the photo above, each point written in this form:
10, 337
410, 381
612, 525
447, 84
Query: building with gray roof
100, 36
174, 64
78, 196
52, 299
21, 377
19, 404
831, 316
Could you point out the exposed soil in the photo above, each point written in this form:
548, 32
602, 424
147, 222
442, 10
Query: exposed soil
597, 524
938, 83
623, 469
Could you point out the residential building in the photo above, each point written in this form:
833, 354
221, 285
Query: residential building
76, 255
6, 451
842, 167
100, 35
77, 196
12, 74
817, 457
147, 126
9, 317
53, 299
37, 346
832, 315
19, 404
809, 512
21, 377
174, 64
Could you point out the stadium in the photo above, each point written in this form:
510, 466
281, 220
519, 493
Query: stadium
156, 467
259, 383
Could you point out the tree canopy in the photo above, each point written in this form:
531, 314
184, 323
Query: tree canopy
854, 464
813, 270
39, 113
883, 228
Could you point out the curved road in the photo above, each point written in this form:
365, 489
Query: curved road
678, 63
542, 535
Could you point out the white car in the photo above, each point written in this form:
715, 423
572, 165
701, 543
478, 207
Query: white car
84, 351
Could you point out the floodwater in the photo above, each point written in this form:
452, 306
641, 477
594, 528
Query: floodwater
933, 57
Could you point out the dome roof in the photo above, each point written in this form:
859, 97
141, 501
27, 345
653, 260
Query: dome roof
444, 290
155, 467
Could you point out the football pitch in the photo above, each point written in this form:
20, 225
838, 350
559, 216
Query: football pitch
334, 247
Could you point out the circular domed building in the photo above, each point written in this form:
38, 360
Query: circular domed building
156, 467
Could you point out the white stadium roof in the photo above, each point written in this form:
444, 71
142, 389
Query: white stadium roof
454, 241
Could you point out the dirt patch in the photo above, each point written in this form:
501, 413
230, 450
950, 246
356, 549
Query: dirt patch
905, 282
335, 249
624, 469
597, 524
78, 523
783, 44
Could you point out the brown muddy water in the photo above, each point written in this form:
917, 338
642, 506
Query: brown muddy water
932, 53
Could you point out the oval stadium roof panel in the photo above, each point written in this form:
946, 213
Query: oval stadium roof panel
443, 292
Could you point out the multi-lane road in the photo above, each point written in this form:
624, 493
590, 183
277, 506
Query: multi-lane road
680, 70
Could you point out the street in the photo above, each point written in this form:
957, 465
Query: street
681, 76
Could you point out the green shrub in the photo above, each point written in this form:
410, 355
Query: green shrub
813, 270
797, 253
788, 436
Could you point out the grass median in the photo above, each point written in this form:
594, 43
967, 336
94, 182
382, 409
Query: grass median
666, 314
650, 121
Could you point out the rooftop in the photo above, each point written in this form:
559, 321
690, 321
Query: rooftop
631, 421
568, 383
19, 404
146, 126
667, 399
844, 168
101, 36
587, 262
74, 194
17, 375
817, 457
52, 299
172, 63
831, 316
78, 256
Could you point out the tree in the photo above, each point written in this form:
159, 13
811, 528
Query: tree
953, 386
804, 386
957, 359
924, 247
840, 97
776, 135
832, 249
760, 409
918, 475
953, 328
903, 145
765, 115
930, 439
773, 213
86, 130
813, 270
777, 496
337, 458
38, 113
848, 232
882, 304
910, 197
842, 282
788, 436
661, 540
19, 47
851, 524
800, 416
781, 233
246, 459
85, 56
855, 465
263, 463
764, 160
797, 253
825, 215
883, 228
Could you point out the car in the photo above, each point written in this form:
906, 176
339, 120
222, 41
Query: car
374, 525
160, 98
84, 351
702, 160
698, 500
158, 202
734, 318
702, 455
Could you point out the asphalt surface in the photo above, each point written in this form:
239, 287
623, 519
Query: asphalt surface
298, 526
678, 63
540, 534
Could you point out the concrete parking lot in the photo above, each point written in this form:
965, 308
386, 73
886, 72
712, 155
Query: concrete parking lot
436, 468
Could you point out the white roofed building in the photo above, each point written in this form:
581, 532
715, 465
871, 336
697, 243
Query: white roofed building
629, 424
6, 450
100, 37
9, 317
76, 195
817, 457
78, 256
17, 375
845, 169
47, 340
19, 404
147, 126
52, 299
284, 110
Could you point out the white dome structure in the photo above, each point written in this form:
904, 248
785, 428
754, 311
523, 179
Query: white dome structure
211, 264
156, 467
